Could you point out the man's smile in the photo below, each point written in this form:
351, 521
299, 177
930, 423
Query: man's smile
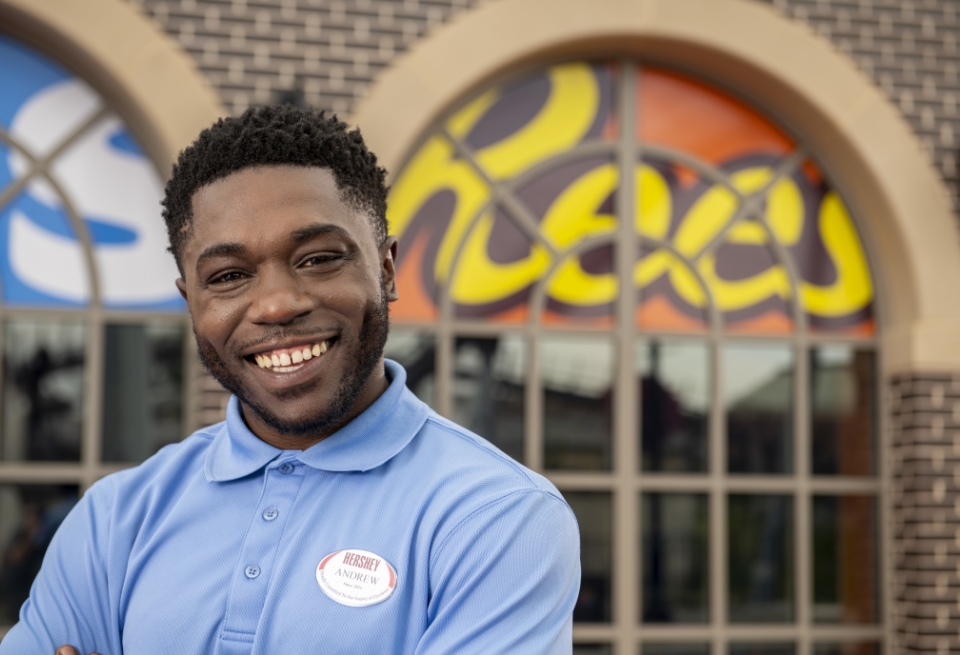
290, 358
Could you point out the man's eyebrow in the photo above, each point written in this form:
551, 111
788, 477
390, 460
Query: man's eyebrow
220, 249
317, 230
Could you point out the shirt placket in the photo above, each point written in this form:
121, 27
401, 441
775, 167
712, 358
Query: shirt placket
251, 580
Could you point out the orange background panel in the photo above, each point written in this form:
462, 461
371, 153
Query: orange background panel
552, 318
414, 305
772, 322
680, 113
867, 328
658, 313
513, 316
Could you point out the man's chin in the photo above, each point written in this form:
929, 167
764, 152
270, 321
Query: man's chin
305, 425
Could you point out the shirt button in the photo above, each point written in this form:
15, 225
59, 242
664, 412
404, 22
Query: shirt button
286, 468
252, 571
270, 514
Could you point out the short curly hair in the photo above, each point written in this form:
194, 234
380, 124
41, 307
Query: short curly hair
270, 136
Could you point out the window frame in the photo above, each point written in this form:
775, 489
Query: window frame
626, 481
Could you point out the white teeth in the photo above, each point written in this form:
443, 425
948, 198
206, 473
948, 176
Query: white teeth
282, 363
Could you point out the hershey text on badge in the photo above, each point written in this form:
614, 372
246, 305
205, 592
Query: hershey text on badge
357, 578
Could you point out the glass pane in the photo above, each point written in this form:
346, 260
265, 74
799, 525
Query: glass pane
675, 388
143, 390
746, 262
763, 649
488, 391
416, 352
675, 558
42, 390
845, 588
594, 515
498, 265
43, 262
577, 375
843, 407
850, 648
592, 649
29, 515
760, 555
665, 648
823, 269
758, 396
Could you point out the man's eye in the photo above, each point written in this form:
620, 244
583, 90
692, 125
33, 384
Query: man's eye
231, 276
319, 260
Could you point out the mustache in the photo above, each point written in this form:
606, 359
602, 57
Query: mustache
281, 333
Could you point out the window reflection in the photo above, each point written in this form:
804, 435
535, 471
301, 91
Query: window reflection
675, 556
763, 649
488, 391
142, 390
842, 402
665, 648
594, 516
675, 404
29, 516
849, 648
758, 394
592, 649
845, 586
43, 380
577, 375
760, 558
416, 352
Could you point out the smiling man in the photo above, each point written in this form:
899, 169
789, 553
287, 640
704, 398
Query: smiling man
332, 512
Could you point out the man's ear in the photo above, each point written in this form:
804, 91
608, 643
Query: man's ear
182, 287
388, 267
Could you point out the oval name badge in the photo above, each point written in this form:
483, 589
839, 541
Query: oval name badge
357, 578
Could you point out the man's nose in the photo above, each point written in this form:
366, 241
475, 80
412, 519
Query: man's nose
280, 298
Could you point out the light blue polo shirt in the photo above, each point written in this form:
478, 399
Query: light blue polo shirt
213, 545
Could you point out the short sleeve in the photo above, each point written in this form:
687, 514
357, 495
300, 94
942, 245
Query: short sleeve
505, 580
70, 600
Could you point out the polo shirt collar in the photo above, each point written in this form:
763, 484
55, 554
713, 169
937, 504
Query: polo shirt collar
368, 441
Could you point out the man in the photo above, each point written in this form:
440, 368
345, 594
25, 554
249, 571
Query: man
332, 512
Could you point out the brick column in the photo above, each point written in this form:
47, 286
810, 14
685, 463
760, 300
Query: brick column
925, 431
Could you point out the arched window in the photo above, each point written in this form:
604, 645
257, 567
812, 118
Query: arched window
640, 285
92, 329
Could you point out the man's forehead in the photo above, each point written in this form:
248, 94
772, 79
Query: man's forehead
292, 199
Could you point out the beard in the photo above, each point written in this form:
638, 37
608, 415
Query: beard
367, 354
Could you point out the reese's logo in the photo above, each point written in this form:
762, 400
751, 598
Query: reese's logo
520, 187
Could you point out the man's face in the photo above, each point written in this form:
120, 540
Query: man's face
288, 289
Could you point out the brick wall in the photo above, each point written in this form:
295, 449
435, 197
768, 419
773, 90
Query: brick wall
911, 48
255, 50
925, 431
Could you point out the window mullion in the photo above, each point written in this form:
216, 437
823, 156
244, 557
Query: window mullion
627, 582
91, 443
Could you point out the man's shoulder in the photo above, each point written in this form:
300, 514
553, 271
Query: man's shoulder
445, 452
175, 461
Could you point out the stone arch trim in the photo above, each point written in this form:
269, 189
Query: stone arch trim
858, 135
140, 70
